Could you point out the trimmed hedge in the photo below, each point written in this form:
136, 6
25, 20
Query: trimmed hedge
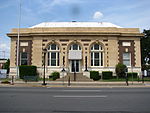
130, 74
94, 75
55, 75
107, 74
25, 70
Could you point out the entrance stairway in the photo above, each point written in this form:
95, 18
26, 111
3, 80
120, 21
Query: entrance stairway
79, 77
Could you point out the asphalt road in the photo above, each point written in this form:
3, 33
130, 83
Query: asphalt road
74, 100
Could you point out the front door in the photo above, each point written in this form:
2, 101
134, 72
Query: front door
75, 66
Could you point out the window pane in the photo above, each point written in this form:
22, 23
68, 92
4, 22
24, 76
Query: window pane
57, 59
53, 47
24, 62
24, 58
126, 62
126, 56
49, 47
96, 55
96, 47
77, 65
92, 48
53, 55
75, 47
79, 48
53, 58
92, 55
96, 62
24, 55
101, 59
53, 62
91, 59
126, 59
101, 47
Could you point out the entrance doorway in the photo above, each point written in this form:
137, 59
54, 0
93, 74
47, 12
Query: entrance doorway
75, 66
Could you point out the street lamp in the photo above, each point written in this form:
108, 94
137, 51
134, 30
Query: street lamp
74, 71
44, 51
86, 64
63, 70
126, 75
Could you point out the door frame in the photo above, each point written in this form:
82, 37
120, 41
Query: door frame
70, 65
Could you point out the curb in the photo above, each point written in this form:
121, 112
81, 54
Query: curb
78, 86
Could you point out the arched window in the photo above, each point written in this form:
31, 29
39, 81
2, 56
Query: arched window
75, 47
53, 55
96, 55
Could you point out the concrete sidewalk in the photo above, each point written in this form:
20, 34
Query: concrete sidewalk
76, 84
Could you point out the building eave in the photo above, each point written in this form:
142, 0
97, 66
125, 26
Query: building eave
77, 34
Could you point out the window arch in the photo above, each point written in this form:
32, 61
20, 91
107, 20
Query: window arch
96, 55
53, 55
75, 47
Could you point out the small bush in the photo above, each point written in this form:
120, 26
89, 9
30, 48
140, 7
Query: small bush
5, 82
120, 70
107, 74
145, 67
50, 76
55, 75
25, 70
94, 75
134, 74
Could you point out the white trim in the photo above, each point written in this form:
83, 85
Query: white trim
126, 43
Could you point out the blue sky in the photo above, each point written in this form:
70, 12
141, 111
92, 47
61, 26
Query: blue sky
125, 13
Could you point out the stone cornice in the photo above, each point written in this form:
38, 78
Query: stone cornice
76, 31
77, 34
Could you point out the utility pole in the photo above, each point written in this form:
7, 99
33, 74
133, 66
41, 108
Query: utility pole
19, 20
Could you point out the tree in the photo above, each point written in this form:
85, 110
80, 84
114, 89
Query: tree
120, 70
6, 65
145, 46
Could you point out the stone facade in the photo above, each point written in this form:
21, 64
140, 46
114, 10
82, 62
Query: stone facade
111, 39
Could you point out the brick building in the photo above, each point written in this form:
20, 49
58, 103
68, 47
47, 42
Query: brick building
71, 44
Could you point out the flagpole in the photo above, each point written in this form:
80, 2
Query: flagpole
18, 39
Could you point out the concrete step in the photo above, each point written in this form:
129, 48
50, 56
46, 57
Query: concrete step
76, 77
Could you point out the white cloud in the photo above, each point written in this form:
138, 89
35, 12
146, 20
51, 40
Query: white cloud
97, 15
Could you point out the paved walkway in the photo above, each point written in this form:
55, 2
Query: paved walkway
76, 84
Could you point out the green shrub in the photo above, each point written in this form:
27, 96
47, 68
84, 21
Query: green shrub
5, 82
134, 74
145, 67
25, 70
94, 75
107, 74
55, 75
120, 70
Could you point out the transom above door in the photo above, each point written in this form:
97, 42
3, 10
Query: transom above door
75, 52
